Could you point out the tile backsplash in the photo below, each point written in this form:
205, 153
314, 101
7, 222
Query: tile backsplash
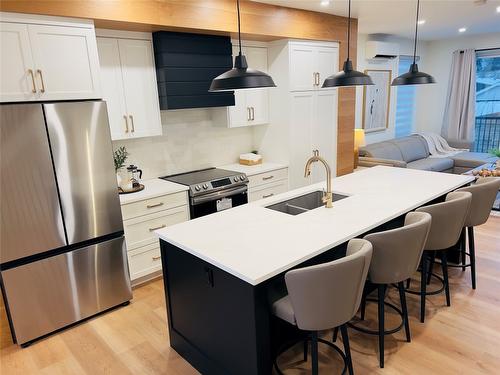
191, 140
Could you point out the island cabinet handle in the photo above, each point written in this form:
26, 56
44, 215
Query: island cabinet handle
30, 71
267, 195
42, 90
156, 258
154, 205
156, 228
268, 177
210, 276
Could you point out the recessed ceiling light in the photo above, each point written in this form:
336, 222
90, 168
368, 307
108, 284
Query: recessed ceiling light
325, 3
462, 30
421, 22
498, 9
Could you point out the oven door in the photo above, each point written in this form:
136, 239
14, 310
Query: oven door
218, 201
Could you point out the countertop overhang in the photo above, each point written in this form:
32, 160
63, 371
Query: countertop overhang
255, 243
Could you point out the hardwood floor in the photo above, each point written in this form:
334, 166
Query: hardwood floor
461, 339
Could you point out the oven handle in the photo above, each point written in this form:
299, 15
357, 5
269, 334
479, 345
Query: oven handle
218, 194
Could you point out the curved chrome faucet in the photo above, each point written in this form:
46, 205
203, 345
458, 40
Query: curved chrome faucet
327, 196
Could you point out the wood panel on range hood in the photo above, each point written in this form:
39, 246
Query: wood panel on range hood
259, 21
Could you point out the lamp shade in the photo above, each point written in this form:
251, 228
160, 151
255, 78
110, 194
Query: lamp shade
413, 77
348, 77
241, 77
359, 138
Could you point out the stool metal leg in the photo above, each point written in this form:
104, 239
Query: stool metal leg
363, 306
402, 297
472, 252
381, 326
423, 285
314, 353
335, 334
431, 267
444, 265
463, 249
347, 348
306, 346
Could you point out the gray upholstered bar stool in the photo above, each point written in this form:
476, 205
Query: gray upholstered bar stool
325, 296
396, 256
448, 219
484, 192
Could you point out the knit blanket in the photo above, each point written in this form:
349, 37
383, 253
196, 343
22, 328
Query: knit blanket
439, 147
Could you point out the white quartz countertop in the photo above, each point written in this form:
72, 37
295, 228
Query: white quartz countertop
255, 243
153, 188
251, 170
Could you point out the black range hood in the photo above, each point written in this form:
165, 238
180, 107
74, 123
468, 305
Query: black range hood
186, 64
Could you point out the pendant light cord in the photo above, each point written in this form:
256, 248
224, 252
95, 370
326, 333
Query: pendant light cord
416, 34
349, 31
239, 23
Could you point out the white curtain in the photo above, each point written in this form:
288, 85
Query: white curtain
459, 113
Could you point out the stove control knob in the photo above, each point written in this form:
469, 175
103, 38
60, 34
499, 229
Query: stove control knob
197, 187
205, 186
235, 179
242, 178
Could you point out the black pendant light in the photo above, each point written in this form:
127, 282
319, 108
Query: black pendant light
241, 77
348, 76
414, 77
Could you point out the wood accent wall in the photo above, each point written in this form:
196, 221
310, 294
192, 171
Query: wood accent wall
259, 21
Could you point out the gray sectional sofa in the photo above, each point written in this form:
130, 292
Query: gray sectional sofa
413, 152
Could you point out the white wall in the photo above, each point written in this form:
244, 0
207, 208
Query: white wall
191, 141
431, 98
405, 48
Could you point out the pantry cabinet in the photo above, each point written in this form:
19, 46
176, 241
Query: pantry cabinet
252, 105
129, 86
43, 59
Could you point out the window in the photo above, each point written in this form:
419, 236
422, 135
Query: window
405, 105
487, 100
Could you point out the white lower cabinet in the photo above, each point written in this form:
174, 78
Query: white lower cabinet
268, 184
141, 219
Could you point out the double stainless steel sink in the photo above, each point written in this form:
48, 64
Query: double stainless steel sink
303, 203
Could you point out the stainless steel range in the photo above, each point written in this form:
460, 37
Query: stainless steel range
212, 190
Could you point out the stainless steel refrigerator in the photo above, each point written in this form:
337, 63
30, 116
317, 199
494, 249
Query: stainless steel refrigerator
62, 249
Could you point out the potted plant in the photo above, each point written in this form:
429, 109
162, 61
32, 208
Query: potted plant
120, 157
496, 152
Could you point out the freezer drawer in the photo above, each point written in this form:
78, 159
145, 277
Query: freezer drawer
52, 293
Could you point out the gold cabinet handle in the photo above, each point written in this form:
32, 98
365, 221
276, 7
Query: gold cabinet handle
248, 114
132, 122
253, 113
314, 78
156, 258
268, 195
42, 90
30, 71
267, 178
154, 205
319, 79
156, 228
126, 123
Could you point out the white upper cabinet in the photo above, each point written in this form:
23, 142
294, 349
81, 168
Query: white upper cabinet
48, 58
310, 64
17, 81
251, 105
129, 86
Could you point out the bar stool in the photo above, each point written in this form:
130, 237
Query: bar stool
325, 296
396, 256
448, 219
484, 192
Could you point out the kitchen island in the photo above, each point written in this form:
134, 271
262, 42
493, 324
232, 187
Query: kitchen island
220, 270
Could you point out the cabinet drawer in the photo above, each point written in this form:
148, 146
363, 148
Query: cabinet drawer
268, 177
267, 190
153, 205
140, 231
144, 260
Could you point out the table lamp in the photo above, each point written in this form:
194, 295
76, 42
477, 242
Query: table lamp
359, 140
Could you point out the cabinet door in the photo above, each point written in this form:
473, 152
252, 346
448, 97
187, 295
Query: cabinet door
324, 132
139, 81
16, 64
112, 87
66, 62
303, 114
327, 62
302, 67
258, 99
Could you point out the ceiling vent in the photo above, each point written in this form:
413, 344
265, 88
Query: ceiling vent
381, 50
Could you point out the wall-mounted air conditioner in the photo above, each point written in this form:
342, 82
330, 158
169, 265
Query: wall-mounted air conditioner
381, 50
